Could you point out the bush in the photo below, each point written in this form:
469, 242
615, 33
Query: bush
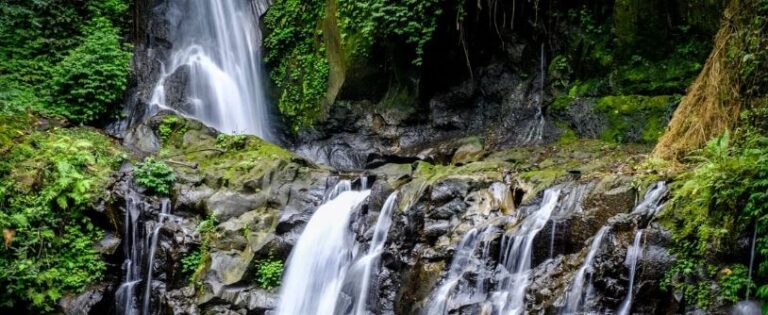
712, 207
48, 180
90, 80
231, 142
270, 273
155, 176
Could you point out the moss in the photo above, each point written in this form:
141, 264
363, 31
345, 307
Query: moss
671, 75
634, 117
224, 160
568, 136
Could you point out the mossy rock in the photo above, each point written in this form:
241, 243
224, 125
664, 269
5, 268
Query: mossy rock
635, 118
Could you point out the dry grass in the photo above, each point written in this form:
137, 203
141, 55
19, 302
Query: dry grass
713, 102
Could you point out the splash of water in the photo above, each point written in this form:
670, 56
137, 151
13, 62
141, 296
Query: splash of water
218, 43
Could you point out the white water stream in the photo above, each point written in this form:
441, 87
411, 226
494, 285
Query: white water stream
218, 43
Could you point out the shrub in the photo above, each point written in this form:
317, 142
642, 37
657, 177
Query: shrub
91, 79
270, 272
48, 180
231, 142
155, 176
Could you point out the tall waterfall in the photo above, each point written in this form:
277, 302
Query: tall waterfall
321, 257
218, 43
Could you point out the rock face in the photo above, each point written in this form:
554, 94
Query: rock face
236, 207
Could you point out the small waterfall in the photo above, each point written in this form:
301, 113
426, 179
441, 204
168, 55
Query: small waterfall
448, 295
575, 296
318, 263
536, 131
652, 201
218, 44
751, 259
165, 210
125, 296
509, 297
370, 261
633, 254
552, 240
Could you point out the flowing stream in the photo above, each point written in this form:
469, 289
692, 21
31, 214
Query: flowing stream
576, 295
218, 44
633, 254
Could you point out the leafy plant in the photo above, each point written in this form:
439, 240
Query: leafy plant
154, 175
91, 79
169, 125
231, 142
715, 203
269, 273
191, 261
48, 181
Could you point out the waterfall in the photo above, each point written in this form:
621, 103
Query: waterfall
633, 254
444, 298
575, 296
318, 263
552, 240
652, 201
516, 256
368, 262
217, 43
751, 259
165, 209
536, 132
125, 296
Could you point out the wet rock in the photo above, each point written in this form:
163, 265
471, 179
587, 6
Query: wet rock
446, 190
82, 304
471, 150
229, 266
225, 205
192, 198
108, 245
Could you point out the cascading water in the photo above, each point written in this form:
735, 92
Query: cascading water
575, 296
536, 131
633, 254
218, 43
369, 262
318, 263
125, 296
165, 210
137, 248
509, 297
449, 295
652, 201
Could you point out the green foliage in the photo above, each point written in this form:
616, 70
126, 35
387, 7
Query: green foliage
712, 207
90, 80
48, 180
154, 175
169, 125
296, 55
197, 261
191, 261
269, 273
625, 113
296, 51
733, 283
231, 142
63, 57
